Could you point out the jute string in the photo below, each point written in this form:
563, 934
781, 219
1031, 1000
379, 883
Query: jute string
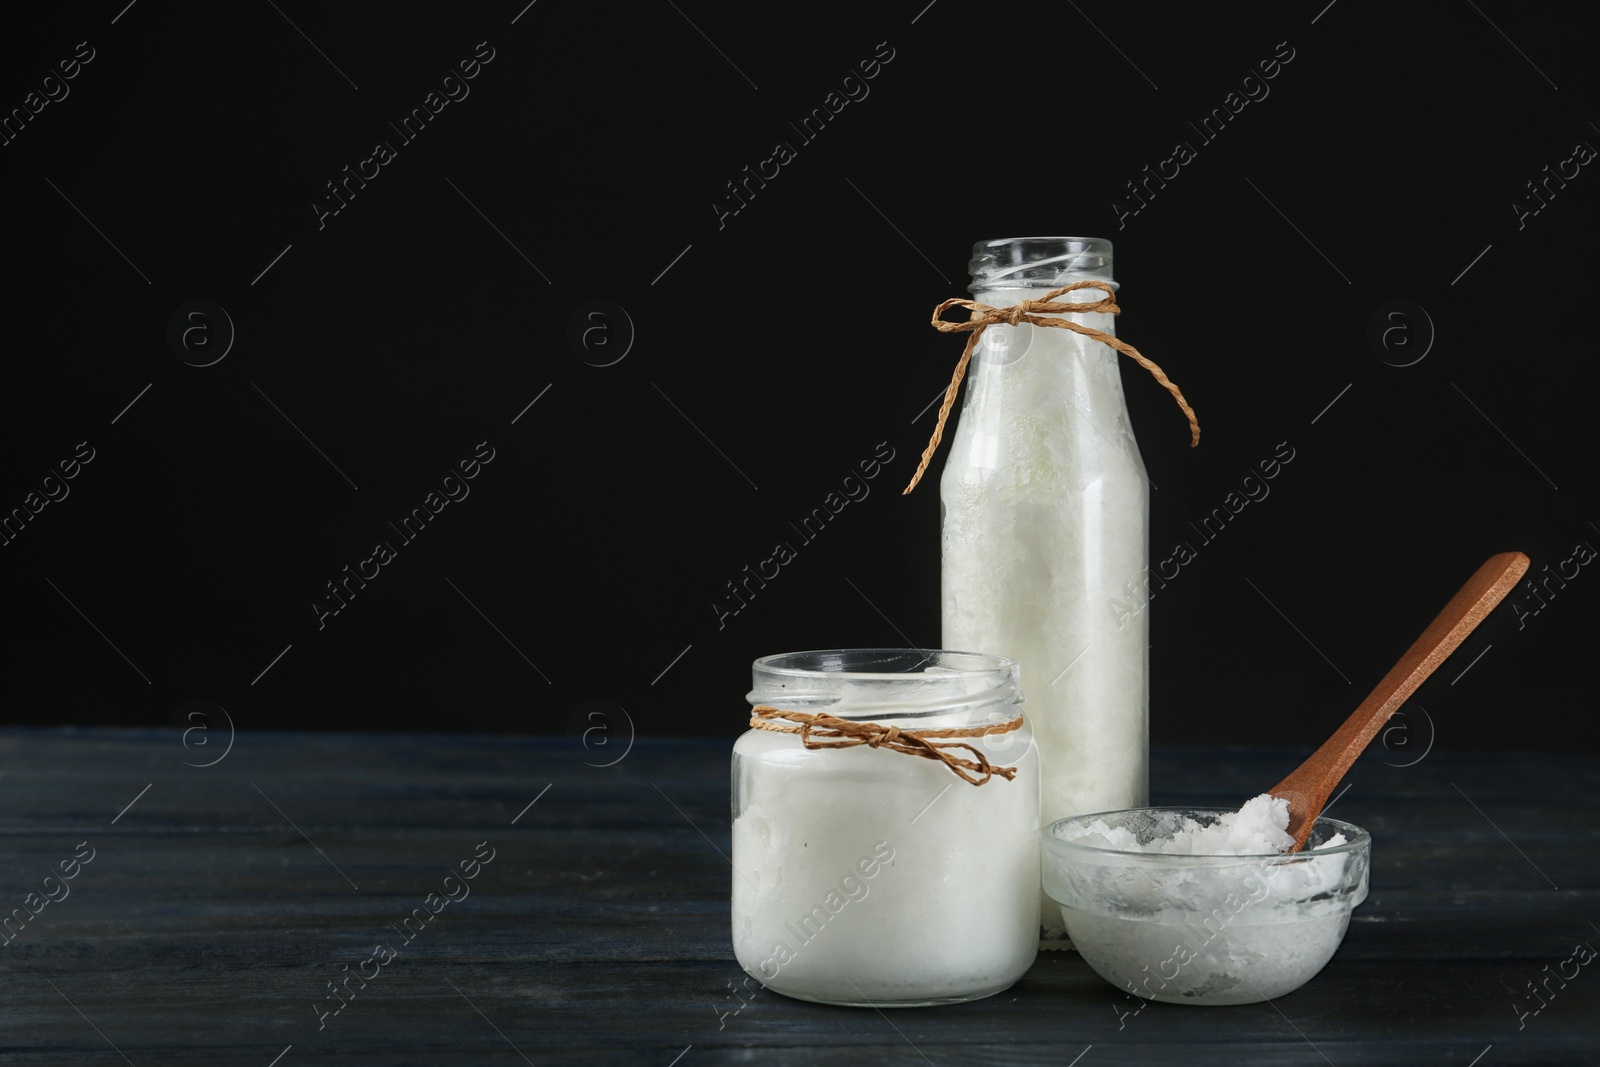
844, 733
1041, 312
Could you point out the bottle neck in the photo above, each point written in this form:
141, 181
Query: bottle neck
1010, 297
1003, 346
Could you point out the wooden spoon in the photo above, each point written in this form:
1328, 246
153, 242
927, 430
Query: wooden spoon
1308, 788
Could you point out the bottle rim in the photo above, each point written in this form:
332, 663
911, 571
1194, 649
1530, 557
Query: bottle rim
1039, 262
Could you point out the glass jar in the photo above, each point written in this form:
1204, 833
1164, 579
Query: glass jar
869, 876
1046, 528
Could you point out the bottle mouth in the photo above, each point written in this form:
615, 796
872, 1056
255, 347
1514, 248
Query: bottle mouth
1039, 262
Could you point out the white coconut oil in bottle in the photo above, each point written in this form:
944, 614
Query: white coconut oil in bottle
1045, 531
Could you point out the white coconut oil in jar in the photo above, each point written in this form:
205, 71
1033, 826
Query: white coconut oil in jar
869, 876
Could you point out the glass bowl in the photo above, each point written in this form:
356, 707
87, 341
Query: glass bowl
1189, 929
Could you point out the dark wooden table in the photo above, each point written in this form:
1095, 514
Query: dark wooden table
217, 909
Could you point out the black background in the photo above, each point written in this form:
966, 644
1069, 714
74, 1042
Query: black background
419, 321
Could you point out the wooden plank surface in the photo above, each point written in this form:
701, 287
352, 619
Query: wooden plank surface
218, 906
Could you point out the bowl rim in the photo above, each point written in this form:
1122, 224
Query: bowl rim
1356, 840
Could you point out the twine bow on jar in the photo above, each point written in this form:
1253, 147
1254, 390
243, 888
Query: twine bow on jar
1041, 312
847, 733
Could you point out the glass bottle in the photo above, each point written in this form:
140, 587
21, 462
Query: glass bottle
1046, 527
869, 876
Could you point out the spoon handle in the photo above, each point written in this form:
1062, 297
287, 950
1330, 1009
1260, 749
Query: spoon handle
1307, 789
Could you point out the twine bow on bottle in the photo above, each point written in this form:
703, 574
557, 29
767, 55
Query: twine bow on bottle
847, 733
1041, 312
